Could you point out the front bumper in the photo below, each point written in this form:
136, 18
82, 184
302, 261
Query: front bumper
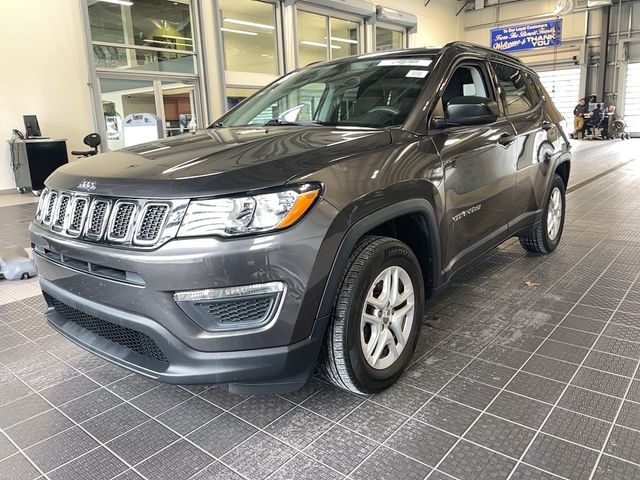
277, 357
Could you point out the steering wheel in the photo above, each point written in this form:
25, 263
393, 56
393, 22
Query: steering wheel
385, 109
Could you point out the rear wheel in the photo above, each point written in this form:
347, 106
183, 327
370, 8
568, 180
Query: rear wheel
376, 317
545, 237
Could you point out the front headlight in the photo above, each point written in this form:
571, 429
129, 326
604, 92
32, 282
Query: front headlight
242, 215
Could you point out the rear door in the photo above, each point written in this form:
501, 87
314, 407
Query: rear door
524, 107
479, 170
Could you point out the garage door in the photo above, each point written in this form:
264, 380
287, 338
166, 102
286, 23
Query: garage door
564, 88
632, 98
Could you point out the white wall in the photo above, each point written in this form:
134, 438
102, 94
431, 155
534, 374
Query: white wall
437, 22
43, 71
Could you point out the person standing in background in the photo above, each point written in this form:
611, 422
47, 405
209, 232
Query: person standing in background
578, 117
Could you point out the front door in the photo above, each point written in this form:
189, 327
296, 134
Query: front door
479, 165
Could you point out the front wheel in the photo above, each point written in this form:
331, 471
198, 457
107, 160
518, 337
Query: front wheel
376, 317
546, 236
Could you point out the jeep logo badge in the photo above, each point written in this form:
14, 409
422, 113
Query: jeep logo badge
88, 185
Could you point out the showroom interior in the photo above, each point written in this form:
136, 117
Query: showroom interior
527, 361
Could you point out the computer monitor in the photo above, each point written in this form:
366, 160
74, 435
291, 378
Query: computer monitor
31, 127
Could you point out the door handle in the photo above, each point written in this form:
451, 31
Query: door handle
547, 126
506, 139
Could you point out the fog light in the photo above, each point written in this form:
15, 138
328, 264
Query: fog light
232, 308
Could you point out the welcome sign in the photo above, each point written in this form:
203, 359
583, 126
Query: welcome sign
527, 36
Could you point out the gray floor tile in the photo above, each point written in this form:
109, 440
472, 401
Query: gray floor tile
98, 464
187, 416
573, 337
426, 377
500, 435
590, 403
601, 382
508, 357
108, 373
132, 386
160, 399
221, 397
262, 410
69, 390
577, 428
468, 392
17, 467
20, 410
333, 403
584, 324
402, 398
618, 347
374, 421
259, 456
132, 450
629, 416
60, 449
471, 462
176, 462
563, 351
302, 467
6, 447
312, 387
447, 415
489, 373
341, 449
217, 471
90, 405
299, 427
560, 457
611, 363
516, 408
386, 464
38, 428
527, 472
115, 422
610, 468
421, 442
543, 389
222, 434
550, 368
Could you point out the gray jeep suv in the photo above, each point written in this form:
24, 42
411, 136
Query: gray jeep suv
308, 225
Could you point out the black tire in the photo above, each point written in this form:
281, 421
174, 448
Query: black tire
342, 361
538, 240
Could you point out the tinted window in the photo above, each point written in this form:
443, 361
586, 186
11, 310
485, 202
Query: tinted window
516, 94
467, 80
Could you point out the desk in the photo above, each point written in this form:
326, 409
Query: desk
34, 159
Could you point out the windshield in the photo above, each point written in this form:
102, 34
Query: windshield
373, 92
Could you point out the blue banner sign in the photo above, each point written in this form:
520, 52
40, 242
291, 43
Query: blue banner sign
527, 36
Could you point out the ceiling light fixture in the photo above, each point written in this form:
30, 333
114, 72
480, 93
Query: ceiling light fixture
241, 32
249, 24
318, 44
345, 40
126, 3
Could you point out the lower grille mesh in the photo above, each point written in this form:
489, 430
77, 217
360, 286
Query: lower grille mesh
234, 311
131, 339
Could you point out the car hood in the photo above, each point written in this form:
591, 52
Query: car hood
216, 161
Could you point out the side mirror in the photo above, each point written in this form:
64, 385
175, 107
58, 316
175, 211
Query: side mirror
471, 111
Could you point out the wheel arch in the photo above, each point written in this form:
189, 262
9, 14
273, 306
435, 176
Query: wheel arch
399, 221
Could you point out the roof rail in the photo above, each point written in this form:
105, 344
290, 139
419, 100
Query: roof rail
473, 46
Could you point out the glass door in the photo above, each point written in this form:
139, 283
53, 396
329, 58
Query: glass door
138, 110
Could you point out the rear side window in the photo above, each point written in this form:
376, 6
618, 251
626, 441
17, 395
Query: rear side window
516, 94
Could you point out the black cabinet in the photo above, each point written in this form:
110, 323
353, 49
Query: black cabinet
35, 159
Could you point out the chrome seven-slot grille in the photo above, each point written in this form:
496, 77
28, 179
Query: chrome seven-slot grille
132, 222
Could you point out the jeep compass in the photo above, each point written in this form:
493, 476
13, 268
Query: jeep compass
308, 225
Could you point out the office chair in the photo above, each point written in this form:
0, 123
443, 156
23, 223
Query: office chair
92, 140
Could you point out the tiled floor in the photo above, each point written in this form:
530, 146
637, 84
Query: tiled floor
527, 368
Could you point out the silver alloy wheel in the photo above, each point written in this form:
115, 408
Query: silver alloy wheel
554, 214
387, 317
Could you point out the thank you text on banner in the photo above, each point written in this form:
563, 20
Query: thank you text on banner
530, 35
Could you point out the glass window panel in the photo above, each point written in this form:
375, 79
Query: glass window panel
387, 39
344, 38
151, 23
249, 36
106, 22
312, 38
515, 94
123, 58
179, 108
122, 101
235, 95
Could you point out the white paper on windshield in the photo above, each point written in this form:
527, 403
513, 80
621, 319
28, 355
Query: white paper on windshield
405, 62
417, 73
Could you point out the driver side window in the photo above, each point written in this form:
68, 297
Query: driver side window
467, 80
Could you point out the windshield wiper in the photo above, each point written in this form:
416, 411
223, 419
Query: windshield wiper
278, 121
